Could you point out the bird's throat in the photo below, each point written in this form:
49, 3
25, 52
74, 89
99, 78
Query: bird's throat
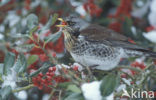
69, 40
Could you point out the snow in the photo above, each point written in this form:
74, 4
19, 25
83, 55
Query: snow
81, 10
12, 18
80, 68
152, 14
140, 12
2, 28
45, 97
91, 91
35, 3
10, 79
153, 6
75, 3
110, 97
140, 3
133, 29
121, 87
151, 36
127, 81
1, 36
22, 95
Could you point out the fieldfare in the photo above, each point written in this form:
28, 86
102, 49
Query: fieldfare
98, 46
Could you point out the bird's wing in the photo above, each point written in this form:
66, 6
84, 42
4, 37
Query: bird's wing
97, 33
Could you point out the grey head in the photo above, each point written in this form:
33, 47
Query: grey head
75, 25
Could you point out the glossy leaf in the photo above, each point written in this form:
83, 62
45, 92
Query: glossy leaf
5, 92
75, 96
73, 88
53, 37
20, 64
1, 69
32, 59
109, 84
25, 47
45, 66
50, 22
8, 62
32, 21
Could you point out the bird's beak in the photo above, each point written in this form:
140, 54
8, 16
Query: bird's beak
62, 25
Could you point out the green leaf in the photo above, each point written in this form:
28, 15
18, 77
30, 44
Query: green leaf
109, 84
32, 59
64, 84
75, 96
5, 92
32, 21
1, 69
50, 22
54, 19
45, 66
25, 47
20, 64
8, 62
73, 88
19, 35
126, 27
53, 37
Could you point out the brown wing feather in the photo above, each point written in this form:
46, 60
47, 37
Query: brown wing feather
97, 33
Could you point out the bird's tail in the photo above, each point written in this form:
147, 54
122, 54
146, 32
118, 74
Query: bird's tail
141, 52
151, 54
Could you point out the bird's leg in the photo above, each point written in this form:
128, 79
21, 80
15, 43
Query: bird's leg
89, 71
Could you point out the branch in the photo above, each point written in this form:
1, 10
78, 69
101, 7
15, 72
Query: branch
23, 88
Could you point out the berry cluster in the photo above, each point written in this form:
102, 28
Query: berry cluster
48, 79
93, 9
140, 65
124, 9
44, 80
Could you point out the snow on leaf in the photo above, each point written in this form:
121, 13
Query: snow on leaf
21, 64
5, 92
32, 21
8, 62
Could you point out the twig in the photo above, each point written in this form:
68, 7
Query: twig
52, 92
60, 95
132, 68
23, 88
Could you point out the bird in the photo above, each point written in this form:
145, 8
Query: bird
96, 46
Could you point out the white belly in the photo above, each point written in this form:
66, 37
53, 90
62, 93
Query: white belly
102, 64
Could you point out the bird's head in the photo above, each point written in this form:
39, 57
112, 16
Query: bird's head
70, 25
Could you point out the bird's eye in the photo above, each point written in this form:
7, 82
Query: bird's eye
70, 23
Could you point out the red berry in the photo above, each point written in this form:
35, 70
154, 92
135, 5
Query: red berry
54, 68
49, 78
54, 54
50, 69
52, 74
123, 76
40, 87
75, 68
40, 75
47, 73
